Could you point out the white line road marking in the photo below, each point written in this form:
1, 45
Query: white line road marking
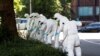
91, 42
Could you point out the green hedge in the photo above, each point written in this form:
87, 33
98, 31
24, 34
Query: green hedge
4, 34
27, 48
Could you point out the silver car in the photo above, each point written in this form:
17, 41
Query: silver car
92, 27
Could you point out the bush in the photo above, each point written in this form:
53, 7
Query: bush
19, 47
4, 34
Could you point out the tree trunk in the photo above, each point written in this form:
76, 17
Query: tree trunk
8, 17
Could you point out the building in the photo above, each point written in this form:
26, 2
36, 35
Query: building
85, 10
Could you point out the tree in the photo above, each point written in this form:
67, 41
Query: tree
47, 7
18, 6
8, 20
66, 4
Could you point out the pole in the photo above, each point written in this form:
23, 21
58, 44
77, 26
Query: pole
30, 6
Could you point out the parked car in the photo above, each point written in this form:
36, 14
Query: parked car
92, 27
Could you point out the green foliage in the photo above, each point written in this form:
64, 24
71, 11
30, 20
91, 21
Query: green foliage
5, 35
18, 6
68, 1
47, 7
19, 47
68, 10
67, 6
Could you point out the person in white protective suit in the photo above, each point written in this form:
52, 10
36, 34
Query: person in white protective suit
36, 30
49, 26
61, 20
71, 40
28, 21
42, 26
34, 25
28, 24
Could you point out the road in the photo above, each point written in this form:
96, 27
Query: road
90, 47
90, 44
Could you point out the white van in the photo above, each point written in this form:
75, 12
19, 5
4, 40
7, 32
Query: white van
21, 23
